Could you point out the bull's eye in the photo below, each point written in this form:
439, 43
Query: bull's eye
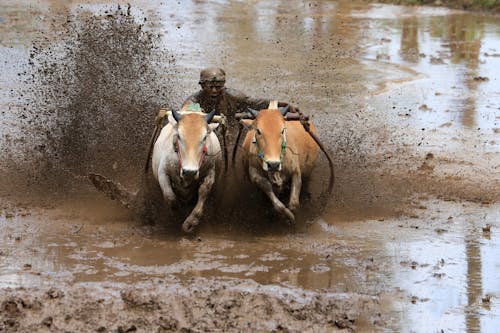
283, 131
258, 131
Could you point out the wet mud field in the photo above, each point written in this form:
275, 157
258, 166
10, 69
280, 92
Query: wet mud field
407, 100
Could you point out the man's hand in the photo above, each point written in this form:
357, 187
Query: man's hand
223, 120
162, 114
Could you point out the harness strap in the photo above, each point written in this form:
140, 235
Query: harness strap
235, 148
224, 144
203, 154
179, 156
283, 146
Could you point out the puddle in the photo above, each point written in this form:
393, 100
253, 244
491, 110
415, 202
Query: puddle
437, 268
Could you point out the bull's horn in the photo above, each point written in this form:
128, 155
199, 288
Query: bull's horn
284, 110
210, 116
253, 112
177, 116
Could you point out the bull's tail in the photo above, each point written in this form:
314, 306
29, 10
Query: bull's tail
162, 114
307, 128
114, 191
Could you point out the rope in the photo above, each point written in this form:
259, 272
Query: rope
235, 149
224, 130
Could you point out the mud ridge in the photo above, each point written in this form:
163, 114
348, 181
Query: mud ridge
170, 306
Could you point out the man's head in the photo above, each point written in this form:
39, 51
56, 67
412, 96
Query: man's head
212, 81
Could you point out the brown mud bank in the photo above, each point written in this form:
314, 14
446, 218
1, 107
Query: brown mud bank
405, 98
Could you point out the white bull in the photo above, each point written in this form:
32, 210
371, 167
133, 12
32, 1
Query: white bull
184, 161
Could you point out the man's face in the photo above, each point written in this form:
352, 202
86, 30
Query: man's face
213, 89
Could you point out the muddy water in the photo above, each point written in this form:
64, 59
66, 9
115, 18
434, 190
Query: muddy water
407, 99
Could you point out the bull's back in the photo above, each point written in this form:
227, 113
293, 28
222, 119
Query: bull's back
302, 144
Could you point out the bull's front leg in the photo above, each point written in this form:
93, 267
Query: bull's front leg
166, 189
265, 185
295, 188
194, 218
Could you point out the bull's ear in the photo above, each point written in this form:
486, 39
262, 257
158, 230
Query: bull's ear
247, 123
177, 116
210, 116
253, 112
212, 126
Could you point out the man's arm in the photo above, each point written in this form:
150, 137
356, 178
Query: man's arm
242, 101
245, 101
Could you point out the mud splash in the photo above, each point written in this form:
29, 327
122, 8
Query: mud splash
91, 96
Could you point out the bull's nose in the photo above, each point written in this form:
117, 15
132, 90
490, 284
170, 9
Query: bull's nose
189, 173
273, 165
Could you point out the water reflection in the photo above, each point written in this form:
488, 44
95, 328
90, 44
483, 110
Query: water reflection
474, 284
460, 85
409, 50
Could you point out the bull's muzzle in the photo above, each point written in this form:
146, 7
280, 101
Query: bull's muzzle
190, 173
273, 165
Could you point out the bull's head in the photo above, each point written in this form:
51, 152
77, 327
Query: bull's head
270, 138
190, 141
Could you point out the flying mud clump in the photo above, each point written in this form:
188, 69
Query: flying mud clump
92, 97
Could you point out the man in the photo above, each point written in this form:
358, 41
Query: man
226, 101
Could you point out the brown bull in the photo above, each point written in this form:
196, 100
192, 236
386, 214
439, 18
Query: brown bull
276, 153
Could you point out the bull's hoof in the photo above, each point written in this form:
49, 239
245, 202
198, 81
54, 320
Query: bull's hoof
190, 224
172, 203
293, 206
290, 218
